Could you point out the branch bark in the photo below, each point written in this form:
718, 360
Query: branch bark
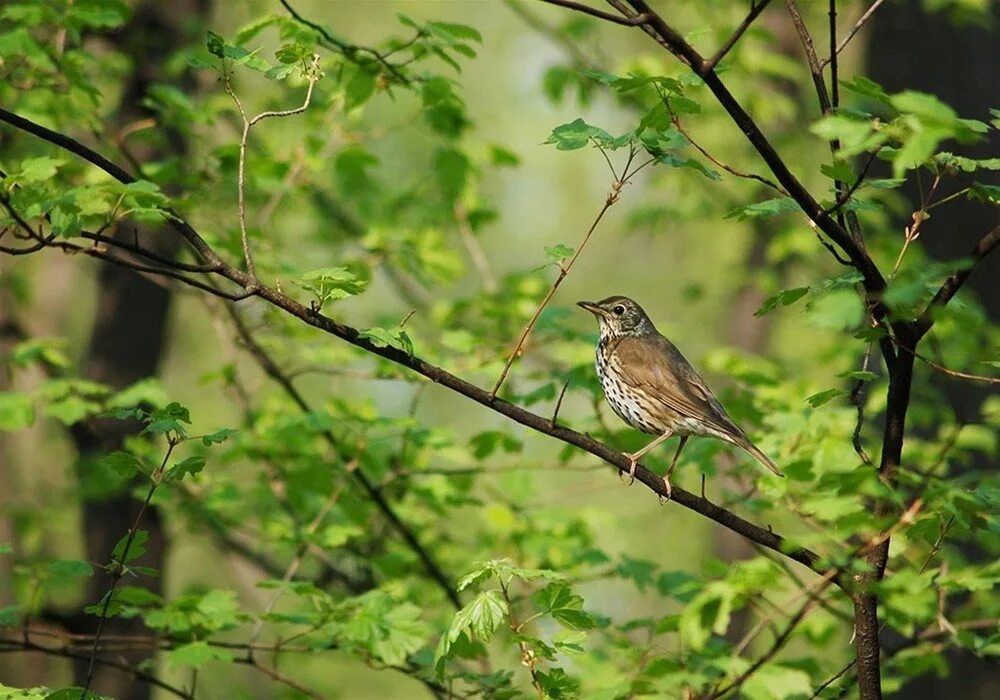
763, 536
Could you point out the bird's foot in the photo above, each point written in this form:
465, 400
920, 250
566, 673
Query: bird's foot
632, 462
669, 489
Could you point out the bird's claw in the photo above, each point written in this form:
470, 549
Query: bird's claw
632, 462
669, 489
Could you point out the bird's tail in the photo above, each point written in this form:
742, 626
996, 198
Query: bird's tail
761, 457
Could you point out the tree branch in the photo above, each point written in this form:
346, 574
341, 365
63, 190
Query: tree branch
755, 10
634, 21
854, 30
765, 537
986, 245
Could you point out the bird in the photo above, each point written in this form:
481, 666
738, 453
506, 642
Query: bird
653, 388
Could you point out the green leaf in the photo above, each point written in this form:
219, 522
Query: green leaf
639, 571
169, 419
564, 606
102, 14
73, 694
10, 615
989, 194
124, 463
767, 208
215, 43
136, 548
487, 442
708, 613
291, 53
381, 338
16, 410
922, 104
502, 157
195, 655
486, 613
452, 170
38, 169
332, 284
558, 252
557, 684
818, 399
456, 31
786, 297
70, 568
218, 436
840, 171
777, 682
474, 578
481, 618
190, 465
577, 134
359, 88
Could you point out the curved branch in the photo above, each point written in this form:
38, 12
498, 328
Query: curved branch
987, 244
763, 536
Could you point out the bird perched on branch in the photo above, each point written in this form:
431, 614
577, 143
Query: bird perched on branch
652, 387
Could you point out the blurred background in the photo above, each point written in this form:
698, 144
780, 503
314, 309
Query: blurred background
666, 243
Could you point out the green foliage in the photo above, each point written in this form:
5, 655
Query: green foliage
401, 203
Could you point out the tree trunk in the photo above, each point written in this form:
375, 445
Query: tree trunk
126, 345
909, 48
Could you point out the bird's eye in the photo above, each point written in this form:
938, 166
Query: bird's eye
618, 310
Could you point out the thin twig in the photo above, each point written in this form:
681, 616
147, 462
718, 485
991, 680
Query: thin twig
555, 413
945, 370
755, 10
729, 169
854, 30
350, 51
118, 568
564, 269
476, 253
313, 74
845, 196
633, 21
858, 399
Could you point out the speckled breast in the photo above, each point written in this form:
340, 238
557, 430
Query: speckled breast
633, 406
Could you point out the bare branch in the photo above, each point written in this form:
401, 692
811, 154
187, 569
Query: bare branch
729, 169
763, 536
634, 21
616, 188
313, 74
854, 30
755, 10
950, 288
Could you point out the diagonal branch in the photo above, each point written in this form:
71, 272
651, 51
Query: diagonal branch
764, 536
564, 269
950, 288
854, 30
600, 14
755, 10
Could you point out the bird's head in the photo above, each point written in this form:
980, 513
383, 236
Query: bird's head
619, 316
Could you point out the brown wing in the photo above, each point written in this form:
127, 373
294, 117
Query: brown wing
653, 364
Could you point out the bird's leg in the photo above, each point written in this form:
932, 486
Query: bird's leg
670, 471
633, 459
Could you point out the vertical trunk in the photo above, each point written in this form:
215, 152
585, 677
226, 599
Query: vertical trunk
126, 345
866, 622
958, 64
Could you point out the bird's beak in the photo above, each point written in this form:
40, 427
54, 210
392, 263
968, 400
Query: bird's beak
591, 307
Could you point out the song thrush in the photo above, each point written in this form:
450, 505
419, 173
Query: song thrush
652, 387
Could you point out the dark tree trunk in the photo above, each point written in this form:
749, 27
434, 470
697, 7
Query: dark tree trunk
127, 343
912, 49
